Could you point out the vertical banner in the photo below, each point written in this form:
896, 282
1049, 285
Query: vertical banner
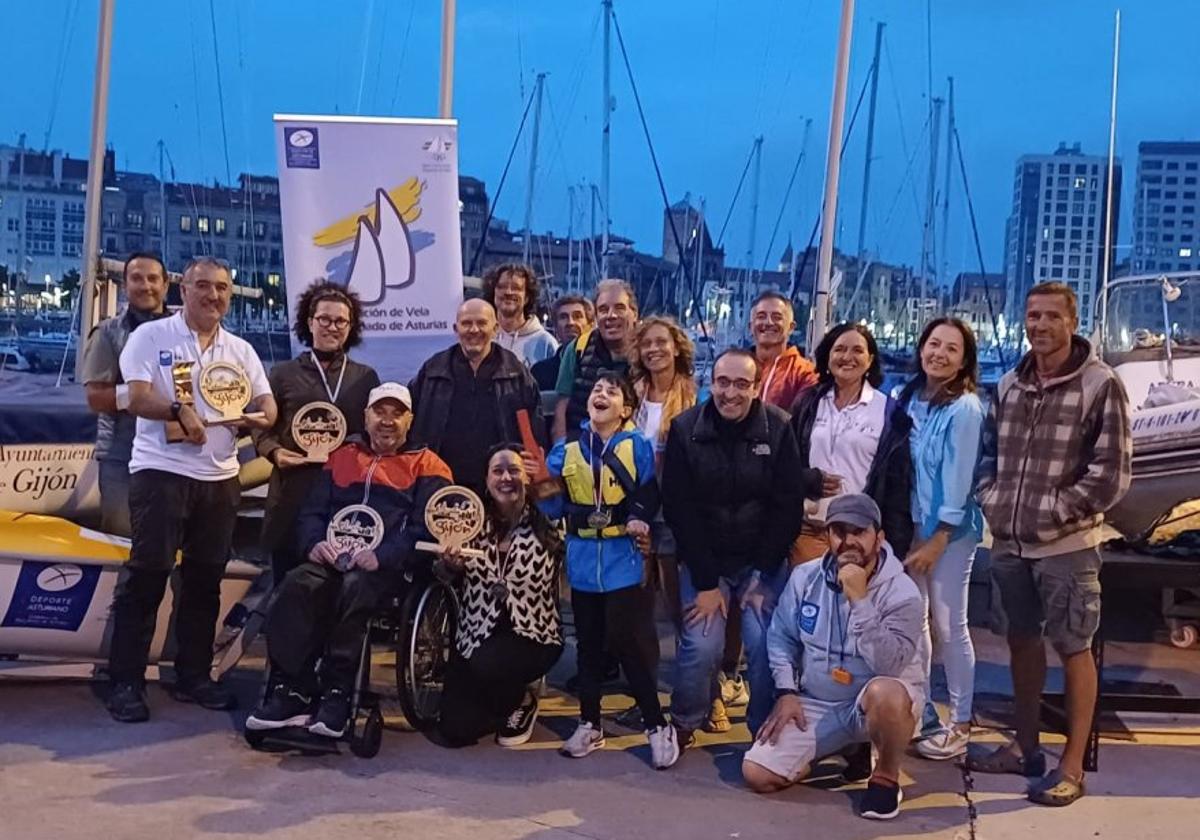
372, 204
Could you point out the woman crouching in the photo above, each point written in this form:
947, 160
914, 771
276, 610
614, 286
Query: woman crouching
509, 633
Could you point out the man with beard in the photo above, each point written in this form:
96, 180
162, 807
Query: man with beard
603, 350
512, 289
844, 648
145, 283
786, 373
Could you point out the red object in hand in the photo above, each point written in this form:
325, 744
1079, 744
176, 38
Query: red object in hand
531, 446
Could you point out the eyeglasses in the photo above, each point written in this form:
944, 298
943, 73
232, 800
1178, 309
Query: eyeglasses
725, 383
336, 323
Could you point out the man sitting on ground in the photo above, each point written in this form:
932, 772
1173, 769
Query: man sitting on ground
323, 605
844, 649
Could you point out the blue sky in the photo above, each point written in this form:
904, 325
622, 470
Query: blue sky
712, 75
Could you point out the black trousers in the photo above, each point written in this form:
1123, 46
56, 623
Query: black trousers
483, 690
622, 623
283, 560
321, 614
169, 512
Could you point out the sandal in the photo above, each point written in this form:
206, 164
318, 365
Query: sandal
1005, 760
1057, 789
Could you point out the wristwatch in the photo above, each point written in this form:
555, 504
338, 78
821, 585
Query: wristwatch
176, 408
783, 692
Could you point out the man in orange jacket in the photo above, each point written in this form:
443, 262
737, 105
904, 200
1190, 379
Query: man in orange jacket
786, 373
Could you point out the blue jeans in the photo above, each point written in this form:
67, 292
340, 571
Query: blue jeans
700, 653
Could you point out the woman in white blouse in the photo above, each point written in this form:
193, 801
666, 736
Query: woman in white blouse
856, 436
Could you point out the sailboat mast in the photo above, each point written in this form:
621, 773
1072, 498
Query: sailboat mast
95, 178
819, 317
1106, 267
162, 202
446, 91
928, 257
866, 193
606, 138
748, 275
533, 155
944, 274
699, 269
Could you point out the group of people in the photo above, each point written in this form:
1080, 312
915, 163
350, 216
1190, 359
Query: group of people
787, 515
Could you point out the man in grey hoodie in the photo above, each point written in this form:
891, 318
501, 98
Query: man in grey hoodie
844, 651
512, 289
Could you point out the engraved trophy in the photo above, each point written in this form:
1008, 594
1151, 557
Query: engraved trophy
181, 379
352, 529
454, 516
226, 388
318, 428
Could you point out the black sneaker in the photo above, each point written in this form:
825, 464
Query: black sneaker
881, 801
206, 693
127, 703
858, 764
283, 707
332, 715
517, 728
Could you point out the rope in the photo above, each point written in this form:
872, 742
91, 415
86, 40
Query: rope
212, 16
733, 203
787, 194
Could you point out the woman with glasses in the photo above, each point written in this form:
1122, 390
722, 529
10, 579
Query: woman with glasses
856, 436
328, 323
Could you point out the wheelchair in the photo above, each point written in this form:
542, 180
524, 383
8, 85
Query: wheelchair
418, 624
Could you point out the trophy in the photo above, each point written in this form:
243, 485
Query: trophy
454, 516
318, 428
181, 378
226, 388
352, 529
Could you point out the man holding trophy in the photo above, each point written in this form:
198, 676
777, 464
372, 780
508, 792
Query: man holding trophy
192, 386
358, 531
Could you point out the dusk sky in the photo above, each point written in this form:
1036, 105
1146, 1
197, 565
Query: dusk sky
712, 74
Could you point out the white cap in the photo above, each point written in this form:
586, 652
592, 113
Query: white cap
390, 391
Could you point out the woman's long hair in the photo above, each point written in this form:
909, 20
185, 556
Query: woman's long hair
682, 395
542, 528
825, 350
965, 381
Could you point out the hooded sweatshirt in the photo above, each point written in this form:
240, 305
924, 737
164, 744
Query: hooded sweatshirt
816, 629
531, 343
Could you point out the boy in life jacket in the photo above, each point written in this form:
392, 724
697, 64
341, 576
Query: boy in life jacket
602, 484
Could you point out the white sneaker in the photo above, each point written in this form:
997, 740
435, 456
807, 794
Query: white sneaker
950, 743
664, 747
733, 690
584, 741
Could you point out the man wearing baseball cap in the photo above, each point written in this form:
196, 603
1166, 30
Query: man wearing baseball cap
844, 650
324, 605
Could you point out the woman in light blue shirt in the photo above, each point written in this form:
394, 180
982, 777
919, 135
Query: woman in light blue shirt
947, 424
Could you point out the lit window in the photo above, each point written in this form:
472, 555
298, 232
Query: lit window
1185, 252
202, 224
185, 224
219, 226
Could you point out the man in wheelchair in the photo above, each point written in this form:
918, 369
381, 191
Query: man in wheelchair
357, 531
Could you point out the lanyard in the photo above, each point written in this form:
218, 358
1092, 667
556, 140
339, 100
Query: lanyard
333, 395
597, 467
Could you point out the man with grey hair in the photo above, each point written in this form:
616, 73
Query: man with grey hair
184, 489
602, 350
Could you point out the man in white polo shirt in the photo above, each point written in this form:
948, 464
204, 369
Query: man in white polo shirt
183, 495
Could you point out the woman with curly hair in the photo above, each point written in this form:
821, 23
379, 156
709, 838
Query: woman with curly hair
328, 322
509, 631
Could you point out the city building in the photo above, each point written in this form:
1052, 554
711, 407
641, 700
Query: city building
979, 299
1056, 230
1165, 208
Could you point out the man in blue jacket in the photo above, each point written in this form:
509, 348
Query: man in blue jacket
844, 648
324, 604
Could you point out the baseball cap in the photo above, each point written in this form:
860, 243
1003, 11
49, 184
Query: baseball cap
857, 510
390, 391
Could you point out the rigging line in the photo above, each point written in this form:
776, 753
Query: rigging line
887, 51
212, 15
712, 77
662, 187
787, 194
248, 192
366, 51
383, 31
199, 136
797, 50
768, 41
904, 181
577, 74
412, 8
733, 203
555, 158
987, 290
520, 53
69, 16
817, 223
487, 223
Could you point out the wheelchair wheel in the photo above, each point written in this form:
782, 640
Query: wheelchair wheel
428, 620
365, 744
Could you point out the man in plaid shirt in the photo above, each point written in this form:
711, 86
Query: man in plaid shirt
1056, 456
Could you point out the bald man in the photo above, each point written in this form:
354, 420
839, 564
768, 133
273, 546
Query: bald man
466, 398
